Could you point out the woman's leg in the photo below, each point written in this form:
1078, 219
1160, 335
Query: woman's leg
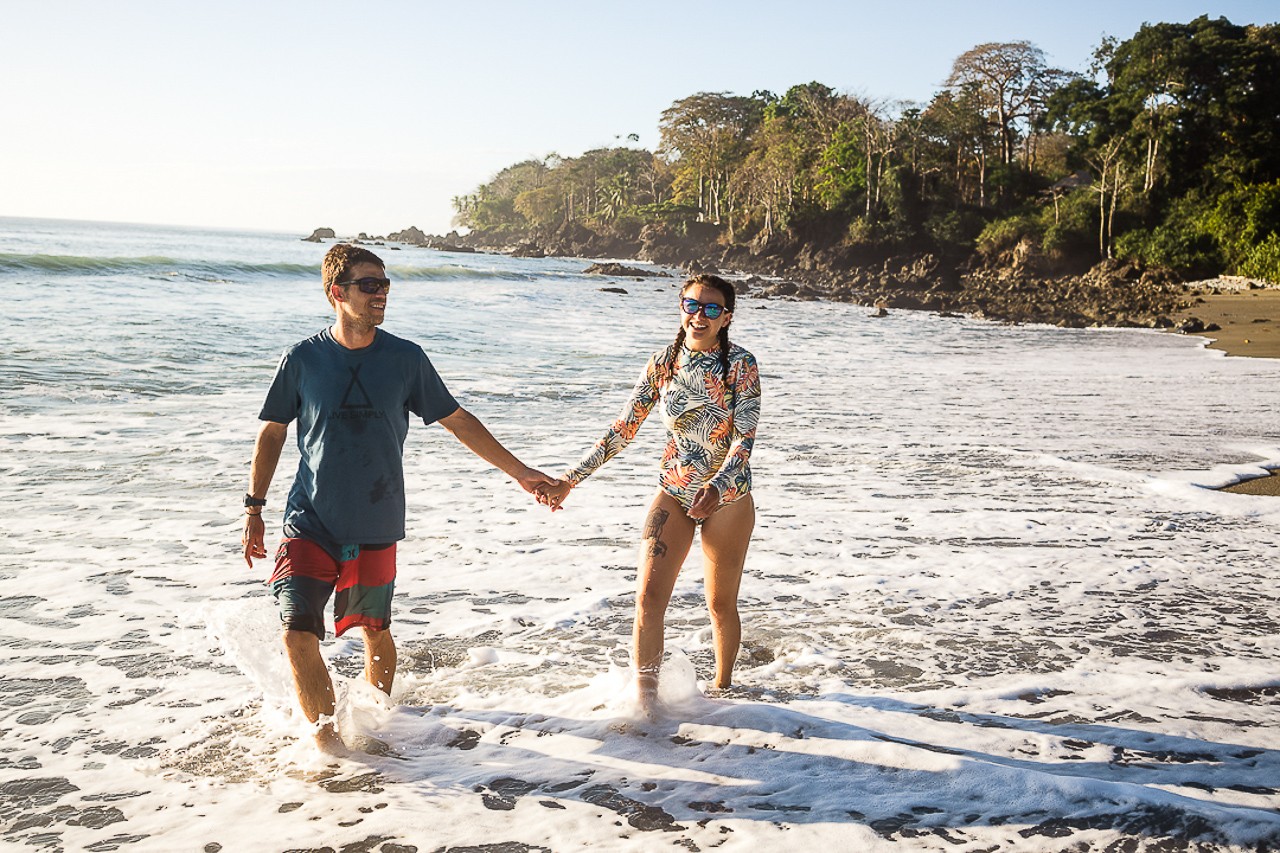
725, 537
668, 533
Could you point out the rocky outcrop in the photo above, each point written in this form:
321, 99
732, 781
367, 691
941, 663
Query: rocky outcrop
527, 249
570, 240
1019, 284
320, 235
660, 245
411, 236
621, 271
1108, 294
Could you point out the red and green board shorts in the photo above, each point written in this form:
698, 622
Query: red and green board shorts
306, 575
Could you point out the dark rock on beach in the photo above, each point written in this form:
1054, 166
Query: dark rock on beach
527, 250
1020, 286
319, 235
696, 267
413, 236
622, 271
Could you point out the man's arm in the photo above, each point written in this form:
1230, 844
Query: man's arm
467, 428
266, 455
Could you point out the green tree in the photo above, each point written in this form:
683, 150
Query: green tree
964, 142
708, 134
1187, 114
1203, 96
541, 206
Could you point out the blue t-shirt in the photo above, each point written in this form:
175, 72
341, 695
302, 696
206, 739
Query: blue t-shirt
352, 408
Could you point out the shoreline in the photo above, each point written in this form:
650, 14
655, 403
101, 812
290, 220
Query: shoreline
1239, 316
1247, 314
1268, 485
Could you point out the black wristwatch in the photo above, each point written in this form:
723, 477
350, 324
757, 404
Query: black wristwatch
250, 500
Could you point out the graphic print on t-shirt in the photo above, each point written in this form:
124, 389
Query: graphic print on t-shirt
361, 400
356, 406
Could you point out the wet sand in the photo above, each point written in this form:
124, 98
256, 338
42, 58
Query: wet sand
1257, 486
1249, 317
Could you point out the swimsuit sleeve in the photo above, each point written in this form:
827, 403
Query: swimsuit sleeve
643, 398
734, 476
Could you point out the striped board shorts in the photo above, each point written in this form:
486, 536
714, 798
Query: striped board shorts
306, 575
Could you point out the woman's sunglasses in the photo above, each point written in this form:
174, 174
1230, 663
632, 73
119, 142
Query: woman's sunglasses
370, 285
709, 310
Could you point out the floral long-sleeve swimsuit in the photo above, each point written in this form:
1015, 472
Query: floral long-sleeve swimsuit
711, 424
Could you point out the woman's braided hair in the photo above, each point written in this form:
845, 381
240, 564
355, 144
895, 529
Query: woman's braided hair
729, 296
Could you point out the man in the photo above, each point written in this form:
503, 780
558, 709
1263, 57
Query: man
351, 388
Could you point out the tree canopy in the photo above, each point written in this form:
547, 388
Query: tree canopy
1166, 152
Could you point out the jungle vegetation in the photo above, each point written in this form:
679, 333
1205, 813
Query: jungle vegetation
1167, 151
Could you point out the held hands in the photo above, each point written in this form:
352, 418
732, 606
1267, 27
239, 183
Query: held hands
553, 494
549, 491
534, 481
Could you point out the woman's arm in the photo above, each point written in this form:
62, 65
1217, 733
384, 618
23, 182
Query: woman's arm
732, 476
637, 408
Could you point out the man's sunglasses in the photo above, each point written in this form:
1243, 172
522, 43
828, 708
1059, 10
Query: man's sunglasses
370, 285
710, 310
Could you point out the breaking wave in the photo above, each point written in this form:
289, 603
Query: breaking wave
160, 266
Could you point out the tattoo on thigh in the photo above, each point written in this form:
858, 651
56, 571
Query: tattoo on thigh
653, 531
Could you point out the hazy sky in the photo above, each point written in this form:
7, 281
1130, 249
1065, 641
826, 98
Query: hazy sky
371, 115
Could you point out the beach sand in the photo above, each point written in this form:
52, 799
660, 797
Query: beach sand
1257, 486
1249, 318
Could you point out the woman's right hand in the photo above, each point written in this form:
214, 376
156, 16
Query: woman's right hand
554, 494
705, 502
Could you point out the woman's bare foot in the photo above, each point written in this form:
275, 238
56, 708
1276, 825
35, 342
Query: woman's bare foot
647, 693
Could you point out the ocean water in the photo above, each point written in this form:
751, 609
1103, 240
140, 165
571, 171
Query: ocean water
993, 601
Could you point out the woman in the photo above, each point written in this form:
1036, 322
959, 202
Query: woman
709, 391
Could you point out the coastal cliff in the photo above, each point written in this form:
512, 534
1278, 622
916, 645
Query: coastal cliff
1022, 284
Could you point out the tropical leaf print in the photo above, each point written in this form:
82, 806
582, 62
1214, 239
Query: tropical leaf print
711, 424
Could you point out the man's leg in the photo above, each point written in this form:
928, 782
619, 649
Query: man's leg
315, 687
379, 658
302, 584
366, 585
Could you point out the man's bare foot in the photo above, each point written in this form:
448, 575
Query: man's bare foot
330, 742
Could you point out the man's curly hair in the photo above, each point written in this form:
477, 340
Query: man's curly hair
338, 263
